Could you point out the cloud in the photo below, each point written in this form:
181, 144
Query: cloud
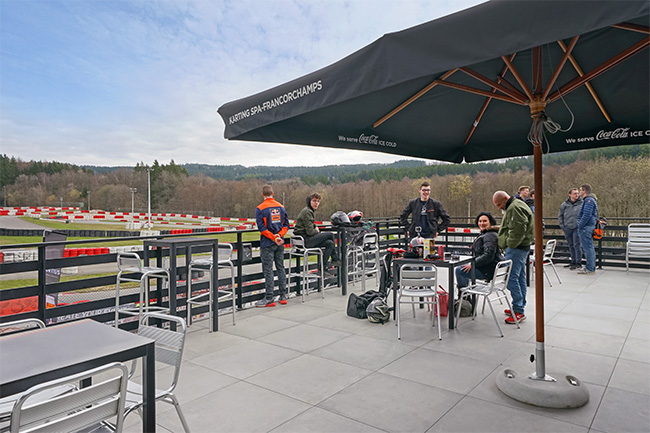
115, 83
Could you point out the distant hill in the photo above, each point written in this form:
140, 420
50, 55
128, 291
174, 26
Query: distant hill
239, 172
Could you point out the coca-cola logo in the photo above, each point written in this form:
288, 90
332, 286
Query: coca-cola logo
613, 135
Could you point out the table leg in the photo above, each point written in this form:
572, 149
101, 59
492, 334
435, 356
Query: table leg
214, 279
149, 389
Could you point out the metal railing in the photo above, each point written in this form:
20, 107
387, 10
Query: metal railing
95, 295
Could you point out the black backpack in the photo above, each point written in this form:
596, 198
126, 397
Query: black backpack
357, 304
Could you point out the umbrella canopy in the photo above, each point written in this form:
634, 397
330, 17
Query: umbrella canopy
460, 87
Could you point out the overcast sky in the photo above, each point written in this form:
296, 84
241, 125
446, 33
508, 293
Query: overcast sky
95, 82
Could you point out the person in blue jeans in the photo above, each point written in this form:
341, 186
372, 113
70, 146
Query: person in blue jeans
516, 234
587, 218
567, 217
273, 223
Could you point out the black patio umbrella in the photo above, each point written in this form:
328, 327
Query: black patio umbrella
465, 87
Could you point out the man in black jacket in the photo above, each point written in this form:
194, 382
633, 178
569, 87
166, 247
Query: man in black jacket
426, 213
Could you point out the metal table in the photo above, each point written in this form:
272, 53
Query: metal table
450, 264
33, 357
175, 246
342, 239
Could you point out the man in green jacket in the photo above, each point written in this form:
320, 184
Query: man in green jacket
515, 236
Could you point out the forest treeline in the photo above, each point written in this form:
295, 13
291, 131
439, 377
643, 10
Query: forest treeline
619, 181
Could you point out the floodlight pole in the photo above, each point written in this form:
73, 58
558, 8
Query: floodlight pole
88, 201
149, 198
133, 191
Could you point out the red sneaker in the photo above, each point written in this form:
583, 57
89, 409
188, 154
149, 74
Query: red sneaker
507, 312
283, 300
520, 317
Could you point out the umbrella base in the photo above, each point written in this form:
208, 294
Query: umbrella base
564, 393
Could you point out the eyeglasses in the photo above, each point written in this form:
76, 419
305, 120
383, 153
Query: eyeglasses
425, 190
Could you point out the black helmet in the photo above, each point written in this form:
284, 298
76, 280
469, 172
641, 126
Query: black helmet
339, 217
355, 216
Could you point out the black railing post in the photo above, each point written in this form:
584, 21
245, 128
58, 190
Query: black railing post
239, 278
42, 281
600, 253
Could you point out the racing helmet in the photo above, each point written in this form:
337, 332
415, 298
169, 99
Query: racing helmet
355, 216
339, 217
417, 246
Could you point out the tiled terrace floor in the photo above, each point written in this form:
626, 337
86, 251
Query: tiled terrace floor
310, 368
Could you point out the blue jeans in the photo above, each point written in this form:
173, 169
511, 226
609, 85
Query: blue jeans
463, 278
587, 243
517, 282
274, 253
572, 238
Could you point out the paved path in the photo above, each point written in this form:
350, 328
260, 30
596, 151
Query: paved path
12, 222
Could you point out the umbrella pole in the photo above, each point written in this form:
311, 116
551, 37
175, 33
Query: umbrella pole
540, 357
540, 389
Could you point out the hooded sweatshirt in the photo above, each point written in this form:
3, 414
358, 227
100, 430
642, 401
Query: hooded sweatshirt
305, 223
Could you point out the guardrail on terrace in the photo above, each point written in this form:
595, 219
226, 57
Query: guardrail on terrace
94, 296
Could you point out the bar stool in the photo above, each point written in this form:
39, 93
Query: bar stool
224, 260
365, 259
131, 263
300, 251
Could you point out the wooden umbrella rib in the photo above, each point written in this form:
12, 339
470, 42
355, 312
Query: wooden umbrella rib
579, 81
589, 87
633, 28
413, 98
500, 79
514, 94
518, 77
560, 66
481, 92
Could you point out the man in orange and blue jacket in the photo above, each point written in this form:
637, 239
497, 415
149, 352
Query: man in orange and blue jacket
273, 224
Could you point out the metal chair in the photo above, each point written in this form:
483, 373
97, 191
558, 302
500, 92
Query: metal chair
498, 286
300, 251
203, 298
638, 242
169, 351
131, 263
83, 409
7, 403
365, 259
547, 259
419, 285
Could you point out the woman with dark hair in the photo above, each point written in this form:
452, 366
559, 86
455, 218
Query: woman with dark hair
485, 250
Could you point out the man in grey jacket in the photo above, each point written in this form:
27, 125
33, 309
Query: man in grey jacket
568, 220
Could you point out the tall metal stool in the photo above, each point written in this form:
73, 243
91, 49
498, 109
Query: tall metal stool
365, 259
224, 260
131, 263
300, 251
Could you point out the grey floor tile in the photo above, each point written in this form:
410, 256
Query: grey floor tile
623, 411
582, 416
246, 359
365, 352
631, 376
195, 381
308, 378
299, 312
340, 321
304, 338
584, 341
241, 407
202, 342
640, 330
451, 372
492, 417
600, 311
606, 326
392, 404
603, 296
317, 420
258, 325
482, 344
636, 349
